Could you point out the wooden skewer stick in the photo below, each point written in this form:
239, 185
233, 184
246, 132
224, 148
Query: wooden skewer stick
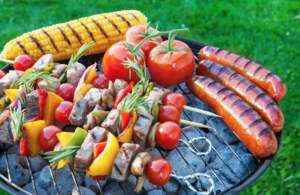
200, 111
7, 61
193, 123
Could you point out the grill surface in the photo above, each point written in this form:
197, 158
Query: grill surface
242, 183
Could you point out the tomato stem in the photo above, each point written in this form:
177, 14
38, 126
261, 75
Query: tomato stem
176, 31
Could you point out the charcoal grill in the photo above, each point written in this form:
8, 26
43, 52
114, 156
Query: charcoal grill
241, 184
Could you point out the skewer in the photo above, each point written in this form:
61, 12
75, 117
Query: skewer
200, 111
7, 61
193, 123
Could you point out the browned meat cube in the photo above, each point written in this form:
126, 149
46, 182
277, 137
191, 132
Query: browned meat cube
74, 73
93, 97
126, 154
111, 122
127, 97
84, 156
111, 87
79, 112
9, 79
32, 109
141, 129
118, 85
43, 61
158, 94
107, 99
7, 131
55, 83
58, 70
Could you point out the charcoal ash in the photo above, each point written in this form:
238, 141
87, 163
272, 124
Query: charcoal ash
224, 131
39, 189
156, 192
154, 152
92, 184
129, 184
194, 161
172, 187
113, 189
83, 190
191, 116
19, 175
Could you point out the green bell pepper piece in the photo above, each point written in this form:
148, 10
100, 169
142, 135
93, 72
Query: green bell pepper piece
100, 116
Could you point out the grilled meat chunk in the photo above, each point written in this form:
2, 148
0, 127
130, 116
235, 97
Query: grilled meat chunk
32, 109
93, 97
111, 122
158, 94
74, 73
7, 132
84, 156
141, 129
10, 78
127, 97
54, 85
58, 70
107, 99
118, 85
43, 61
111, 87
126, 154
79, 112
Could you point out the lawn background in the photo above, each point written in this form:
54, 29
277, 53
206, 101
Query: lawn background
261, 30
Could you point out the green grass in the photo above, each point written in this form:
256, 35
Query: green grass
261, 30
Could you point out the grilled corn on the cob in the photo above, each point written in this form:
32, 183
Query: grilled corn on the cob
63, 40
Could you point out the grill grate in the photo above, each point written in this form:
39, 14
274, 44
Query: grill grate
261, 166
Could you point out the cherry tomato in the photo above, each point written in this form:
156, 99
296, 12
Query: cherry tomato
113, 59
100, 81
174, 69
23, 62
2, 74
168, 135
66, 91
47, 138
63, 112
168, 113
147, 46
175, 99
158, 171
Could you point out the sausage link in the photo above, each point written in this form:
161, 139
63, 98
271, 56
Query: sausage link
249, 92
237, 114
264, 78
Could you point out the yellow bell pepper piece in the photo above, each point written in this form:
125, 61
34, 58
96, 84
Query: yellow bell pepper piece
63, 137
52, 101
11, 94
83, 91
49, 67
127, 134
32, 131
4, 115
90, 76
103, 164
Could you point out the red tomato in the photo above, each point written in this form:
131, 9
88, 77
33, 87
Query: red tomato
23, 62
99, 177
113, 59
175, 99
63, 112
100, 81
2, 74
168, 135
147, 46
47, 138
168, 113
158, 171
66, 91
172, 70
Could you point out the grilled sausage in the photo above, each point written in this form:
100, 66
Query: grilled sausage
249, 92
237, 114
264, 78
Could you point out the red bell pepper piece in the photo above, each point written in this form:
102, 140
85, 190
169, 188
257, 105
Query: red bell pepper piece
23, 144
125, 117
97, 150
122, 93
129, 87
35, 119
42, 101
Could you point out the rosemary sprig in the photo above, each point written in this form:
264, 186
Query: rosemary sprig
75, 58
140, 71
18, 119
65, 153
135, 101
28, 82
